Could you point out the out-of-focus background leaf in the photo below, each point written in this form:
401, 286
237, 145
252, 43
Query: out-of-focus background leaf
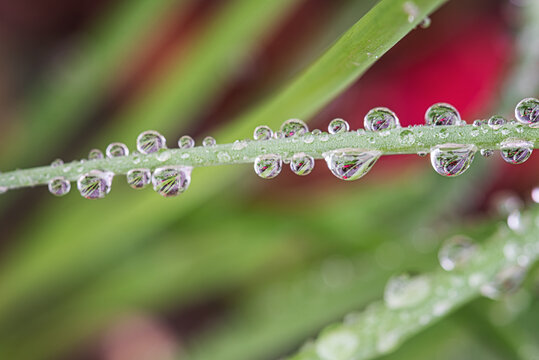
239, 268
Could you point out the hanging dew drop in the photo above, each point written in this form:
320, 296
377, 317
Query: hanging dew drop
527, 111
294, 127
496, 122
425, 23
442, 114
338, 125
116, 150
186, 142
507, 281
268, 166
150, 141
59, 186
516, 151
57, 162
138, 178
405, 291
263, 132
302, 164
456, 252
95, 184
380, 118
350, 164
95, 154
486, 152
171, 181
208, 141
452, 159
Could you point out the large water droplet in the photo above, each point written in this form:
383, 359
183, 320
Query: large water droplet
350, 164
208, 141
380, 118
302, 164
406, 291
59, 186
507, 281
442, 114
150, 141
268, 166
338, 125
496, 122
452, 159
171, 180
138, 178
516, 151
95, 154
116, 150
294, 127
527, 111
263, 132
186, 142
57, 162
95, 184
455, 252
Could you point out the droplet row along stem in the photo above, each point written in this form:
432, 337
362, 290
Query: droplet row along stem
409, 140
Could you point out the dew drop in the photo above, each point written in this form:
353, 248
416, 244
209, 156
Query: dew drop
163, 155
486, 152
516, 151
294, 127
507, 281
150, 141
278, 134
302, 164
116, 150
316, 132
308, 139
425, 23
406, 291
59, 186
268, 166
95, 184
496, 122
380, 118
452, 159
350, 164
324, 136
422, 153
171, 181
406, 137
186, 142
95, 154
535, 195
138, 178
223, 156
337, 345
515, 221
208, 141
477, 123
455, 252
57, 162
263, 132
411, 9
3, 189
527, 111
442, 114
239, 145
338, 125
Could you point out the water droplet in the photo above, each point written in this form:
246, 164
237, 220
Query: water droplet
95, 184
337, 345
406, 291
514, 221
3, 189
117, 149
239, 145
406, 137
338, 125
486, 152
59, 186
411, 9
294, 127
527, 111
308, 139
496, 122
350, 164
302, 164
268, 166
507, 281
278, 135
425, 23
223, 156
186, 142
163, 155
324, 136
477, 123
57, 162
516, 151
263, 132
452, 159
150, 141
171, 180
387, 342
535, 195
442, 114
422, 153
95, 154
316, 132
138, 178
455, 252
380, 119
208, 141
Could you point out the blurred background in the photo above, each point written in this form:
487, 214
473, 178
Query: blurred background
239, 267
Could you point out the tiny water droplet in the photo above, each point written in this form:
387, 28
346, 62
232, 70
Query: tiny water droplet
337, 345
350, 164
455, 252
516, 151
95, 184
150, 141
452, 159
406, 137
171, 181
163, 155
308, 139
527, 111
138, 178
208, 141
59, 186
406, 291
486, 152
507, 281
57, 162
474, 132
324, 136
263, 132
95, 154
239, 145
302, 164
338, 125
477, 123
535, 195
496, 122
422, 153
268, 166
425, 23
294, 127
3, 189
316, 132
186, 142
116, 150
411, 9
278, 135
223, 156
515, 221
442, 114
380, 118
